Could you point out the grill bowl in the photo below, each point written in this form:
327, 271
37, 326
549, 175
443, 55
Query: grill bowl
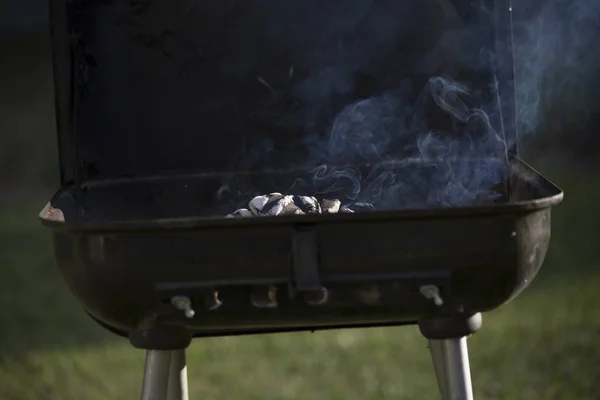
124, 267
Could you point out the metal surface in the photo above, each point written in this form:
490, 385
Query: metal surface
147, 87
478, 258
178, 380
436, 350
156, 375
505, 72
451, 364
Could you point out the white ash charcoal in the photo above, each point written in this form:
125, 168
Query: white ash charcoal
307, 204
274, 204
271, 204
258, 202
242, 212
330, 206
290, 208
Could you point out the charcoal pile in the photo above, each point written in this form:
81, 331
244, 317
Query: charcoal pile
275, 204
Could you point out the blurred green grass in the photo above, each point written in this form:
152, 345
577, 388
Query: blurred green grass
543, 345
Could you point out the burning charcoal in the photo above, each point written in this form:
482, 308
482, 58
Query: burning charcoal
278, 207
330, 206
308, 204
301, 205
274, 204
271, 204
291, 209
242, 212
258, 203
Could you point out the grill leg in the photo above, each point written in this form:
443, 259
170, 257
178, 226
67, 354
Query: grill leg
178, 383
451, 363
156, 375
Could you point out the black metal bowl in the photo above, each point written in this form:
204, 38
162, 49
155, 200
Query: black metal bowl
293, 272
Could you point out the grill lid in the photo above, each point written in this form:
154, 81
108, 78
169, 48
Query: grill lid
163, 87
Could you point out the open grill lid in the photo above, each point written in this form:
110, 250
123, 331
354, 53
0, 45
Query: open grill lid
146, 88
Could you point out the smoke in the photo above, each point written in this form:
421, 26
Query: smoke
556, 66
397, 103
432, 168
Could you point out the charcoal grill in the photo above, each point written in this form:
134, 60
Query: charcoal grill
171, 115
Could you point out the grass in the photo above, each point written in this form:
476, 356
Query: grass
543, 345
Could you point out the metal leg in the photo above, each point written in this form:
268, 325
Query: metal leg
156, 375
178, 384
436, 349
451, 363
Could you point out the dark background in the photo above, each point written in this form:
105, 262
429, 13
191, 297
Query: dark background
541, 346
